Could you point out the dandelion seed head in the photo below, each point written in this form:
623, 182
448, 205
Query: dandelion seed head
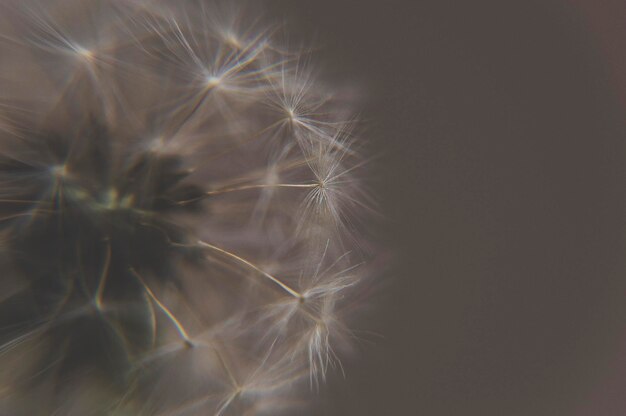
180, 190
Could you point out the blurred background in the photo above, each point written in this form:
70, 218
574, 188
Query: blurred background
501, 129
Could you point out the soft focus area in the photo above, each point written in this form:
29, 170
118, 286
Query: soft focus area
501, 130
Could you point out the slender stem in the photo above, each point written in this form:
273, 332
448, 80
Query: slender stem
262, 186
227, 403
179, 327
191, 113
275, 280
259, 174
103, 277
26, 214
249, 187
226, 367
18, 201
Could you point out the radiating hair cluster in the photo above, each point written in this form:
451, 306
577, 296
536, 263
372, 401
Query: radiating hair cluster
180, 212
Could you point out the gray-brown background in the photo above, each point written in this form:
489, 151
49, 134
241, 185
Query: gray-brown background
501, 129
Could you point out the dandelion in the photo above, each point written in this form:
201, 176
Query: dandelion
179, 196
